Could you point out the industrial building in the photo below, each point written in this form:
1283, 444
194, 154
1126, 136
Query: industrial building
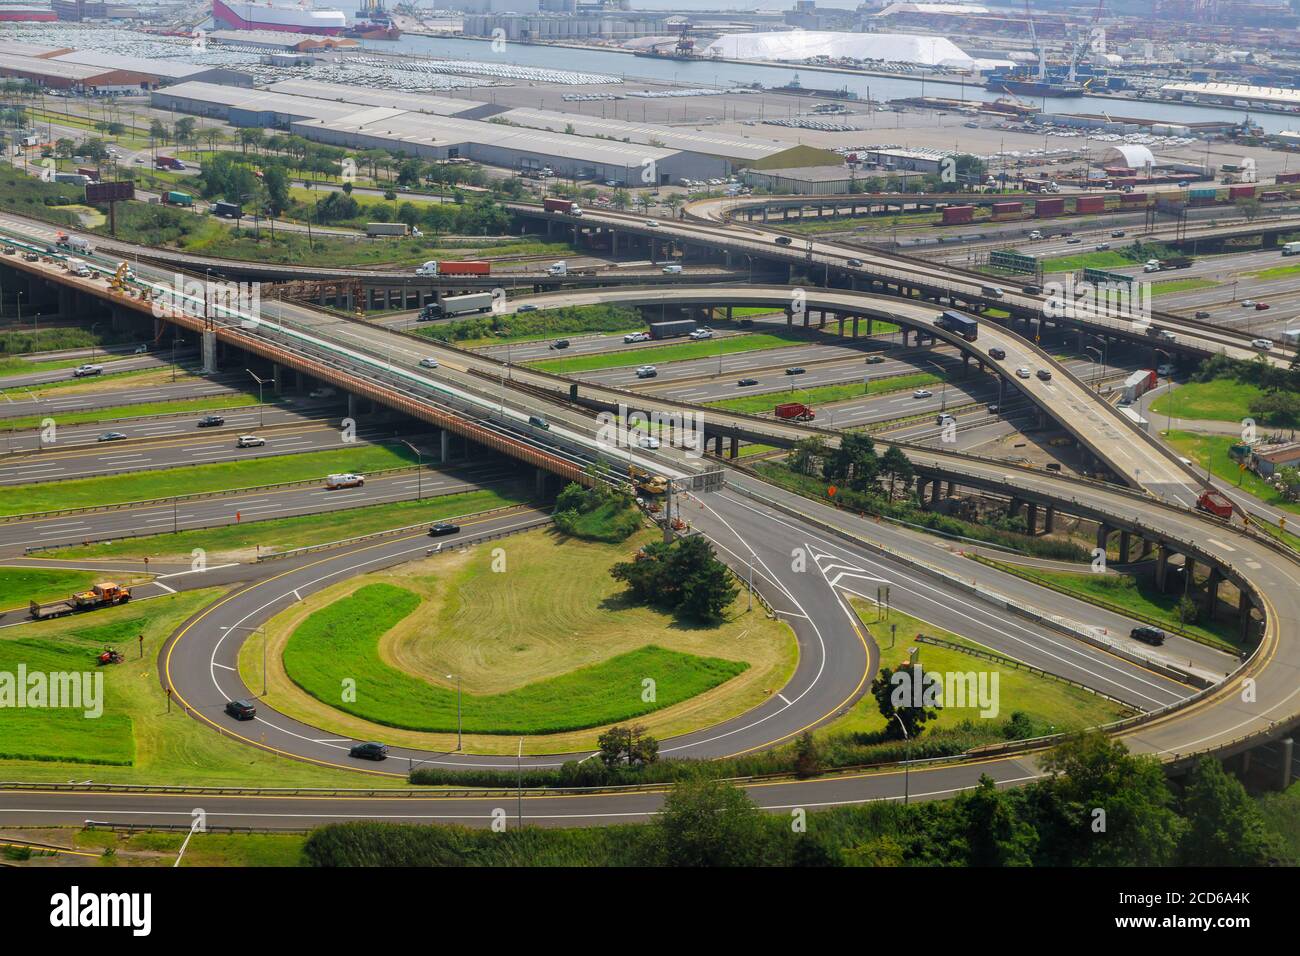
165, 71
540, 28
58, 74
284, 42
439, 127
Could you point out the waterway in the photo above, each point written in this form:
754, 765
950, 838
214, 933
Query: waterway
713, 73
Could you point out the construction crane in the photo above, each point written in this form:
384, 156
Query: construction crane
1085, 42
685, 45
1039, 53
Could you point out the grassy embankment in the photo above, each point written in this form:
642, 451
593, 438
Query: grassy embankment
548, 644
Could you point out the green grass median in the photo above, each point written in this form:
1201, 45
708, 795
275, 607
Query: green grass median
709, 348
199, 479
340, 641
824, 394
1221, 399
142, 410
242, 542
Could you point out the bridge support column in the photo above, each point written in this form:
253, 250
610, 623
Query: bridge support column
1288, 755
855, 325
444, 446
209, 347
1031, 518
1013, 507
805, 318
539, 482
729, 309
613, 242
1103, 536
840, 333
789, 316
965, 364
936, 489
352, 405
1162, 566
1212, 593
871, 327
1049, 519
1125, 539
277, 373
905, 334
735, 447
1244, 606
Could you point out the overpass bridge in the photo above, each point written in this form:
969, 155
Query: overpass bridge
489, 403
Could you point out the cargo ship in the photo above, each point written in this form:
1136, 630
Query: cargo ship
26, 13
236, 15
373, 23
1030, 86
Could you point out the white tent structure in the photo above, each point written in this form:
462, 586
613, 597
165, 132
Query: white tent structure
1131, 155
799, 45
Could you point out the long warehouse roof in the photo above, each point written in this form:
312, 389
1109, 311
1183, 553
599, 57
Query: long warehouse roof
342, 93
1264, 94
169, 69
62, 69
259, 101
420, 129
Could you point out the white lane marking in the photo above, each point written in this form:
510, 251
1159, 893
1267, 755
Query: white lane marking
166, 587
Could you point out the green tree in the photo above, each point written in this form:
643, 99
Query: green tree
1104, 806
807, 756
276, 181
1224, 825
898, 698
627, 746
995, 834
896, 466
709, 823
808, 454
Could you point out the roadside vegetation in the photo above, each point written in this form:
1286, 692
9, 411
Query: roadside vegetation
1209, 821
873, 484
1231, 389
19, 585
598, 513
534, 326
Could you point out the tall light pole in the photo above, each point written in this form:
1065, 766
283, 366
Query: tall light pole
93, 326
260, 382
907, 760
459, 738
419, 469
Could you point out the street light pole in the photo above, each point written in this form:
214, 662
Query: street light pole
260, 382
907, 783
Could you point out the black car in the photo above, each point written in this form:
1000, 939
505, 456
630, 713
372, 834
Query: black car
1117, 234
1148, 635
527, 308
1044, 375
794, 370
111, 436
998, 354
560, 344
853, 263
1202, 315
241, 709
1032, 290
369, 751
783, 240
208, 421
440, 529
747, 381
538, 422
874, 359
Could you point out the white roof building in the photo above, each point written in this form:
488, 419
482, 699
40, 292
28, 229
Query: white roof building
798, 45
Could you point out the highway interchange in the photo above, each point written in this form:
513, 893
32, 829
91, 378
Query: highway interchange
753, 521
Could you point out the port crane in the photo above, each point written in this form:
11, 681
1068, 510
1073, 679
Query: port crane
1086, 41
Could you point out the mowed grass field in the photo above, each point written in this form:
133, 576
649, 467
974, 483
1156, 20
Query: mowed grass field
11, 366
243, 542
136, 740
1222, 399
109, 381
549, 640
140, 410
341, 642
20, 585
197, 479
1046, 701
824, 394
683, 351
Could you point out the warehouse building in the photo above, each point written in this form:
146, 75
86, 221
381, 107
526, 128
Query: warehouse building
167, 71
57, 74
608, 150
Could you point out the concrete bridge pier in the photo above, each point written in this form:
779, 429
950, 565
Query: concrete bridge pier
735, 447
1244, 606
540, 480
1125, 541
209, 347
1211, 600
1162, 566
1049, 519
277, 373
1103, 536
444, 446
1031, 518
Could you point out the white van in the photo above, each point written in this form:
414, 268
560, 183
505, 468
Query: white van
673, 270
78, 267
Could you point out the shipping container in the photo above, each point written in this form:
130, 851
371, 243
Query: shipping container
475, 267
1133, 199
175, 198
795, 411
230, 210
1005, 209
566, 206
89, 172
671, 329
1046, 208
1089, 204
1288, 178
958, 214
374, 229
1241, 192
1136, 385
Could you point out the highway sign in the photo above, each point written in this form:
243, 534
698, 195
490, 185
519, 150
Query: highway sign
706, 482
1014, 262
110, 192
1097, 276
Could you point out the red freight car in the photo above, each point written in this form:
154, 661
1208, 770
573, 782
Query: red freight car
958, 214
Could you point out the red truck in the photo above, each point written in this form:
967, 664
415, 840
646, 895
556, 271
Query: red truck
566, 206
1215, 503
795, 412
167, 162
